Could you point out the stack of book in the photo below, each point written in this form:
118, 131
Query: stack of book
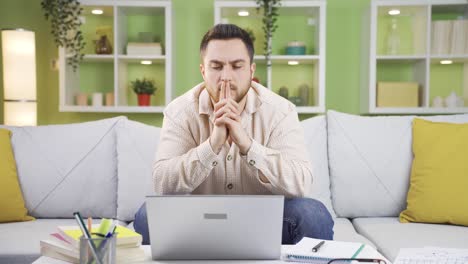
65, 245
459, 35
450, 37
143, 48
441, 37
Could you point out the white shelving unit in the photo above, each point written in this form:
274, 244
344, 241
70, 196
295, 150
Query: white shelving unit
308, 19
116, 70
415, 60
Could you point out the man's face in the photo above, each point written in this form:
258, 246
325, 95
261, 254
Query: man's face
227, 60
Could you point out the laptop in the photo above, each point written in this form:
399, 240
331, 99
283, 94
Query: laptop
215, 227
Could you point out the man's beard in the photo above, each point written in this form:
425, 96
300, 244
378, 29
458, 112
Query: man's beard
235, 88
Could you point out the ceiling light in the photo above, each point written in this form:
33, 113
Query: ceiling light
446, 62
293, 62
146, 62
97, 12
394, 12
243, 13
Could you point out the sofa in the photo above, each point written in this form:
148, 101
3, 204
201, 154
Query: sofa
361, 168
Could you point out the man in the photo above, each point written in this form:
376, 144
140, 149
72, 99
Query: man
229, 135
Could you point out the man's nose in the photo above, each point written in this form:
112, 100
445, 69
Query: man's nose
226, 75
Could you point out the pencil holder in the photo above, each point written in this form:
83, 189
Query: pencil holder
104, 249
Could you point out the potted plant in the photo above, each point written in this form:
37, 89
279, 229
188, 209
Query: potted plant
270, 18
144, 88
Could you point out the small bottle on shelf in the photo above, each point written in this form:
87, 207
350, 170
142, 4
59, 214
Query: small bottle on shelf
393, 38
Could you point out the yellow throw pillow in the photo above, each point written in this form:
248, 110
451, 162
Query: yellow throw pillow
439, 175
12, 207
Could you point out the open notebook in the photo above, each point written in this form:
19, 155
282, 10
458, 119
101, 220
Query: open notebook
302, 251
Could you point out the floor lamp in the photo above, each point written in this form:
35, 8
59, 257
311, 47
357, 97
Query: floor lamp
19, 77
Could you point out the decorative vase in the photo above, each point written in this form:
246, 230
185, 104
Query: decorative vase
438, 102
81, 99
296, 100
109, 99
451, 100
296, 48
304, 94
97, 99
103, 45
393, 38
283, 91
144, 99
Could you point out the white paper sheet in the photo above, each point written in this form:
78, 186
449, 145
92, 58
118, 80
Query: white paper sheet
432, 255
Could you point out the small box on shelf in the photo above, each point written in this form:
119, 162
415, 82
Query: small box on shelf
397, 94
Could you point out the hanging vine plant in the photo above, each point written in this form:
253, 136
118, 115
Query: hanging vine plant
64, 16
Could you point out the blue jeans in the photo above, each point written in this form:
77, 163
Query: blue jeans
303, 217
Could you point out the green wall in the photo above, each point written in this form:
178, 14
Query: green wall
192, 20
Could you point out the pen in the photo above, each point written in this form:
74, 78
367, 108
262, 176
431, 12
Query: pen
85, 232
90, 225
112, 228
108, 236
317, 247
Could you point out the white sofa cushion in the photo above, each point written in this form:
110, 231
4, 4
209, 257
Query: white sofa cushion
345, 231
68, 168
389, 235
315, 133
136, 148
370, 162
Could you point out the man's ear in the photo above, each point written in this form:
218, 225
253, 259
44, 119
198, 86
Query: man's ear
202, 70
253, 67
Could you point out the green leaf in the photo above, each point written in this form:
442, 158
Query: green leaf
64, 17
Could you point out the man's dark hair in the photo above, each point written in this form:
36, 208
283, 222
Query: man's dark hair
227, 31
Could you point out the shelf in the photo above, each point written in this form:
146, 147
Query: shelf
448, 78
284, 59
142, 10
310, 109
400, 58
419, 110
453, 58
130, 70
304, 8
113, 109
136, 20
302, 21
97, 57
139, 58
403, 34
297, 21
453, 11
93, 24
413, 60
112, 74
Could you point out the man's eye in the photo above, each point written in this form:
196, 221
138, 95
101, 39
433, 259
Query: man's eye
216, 67
237, 66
